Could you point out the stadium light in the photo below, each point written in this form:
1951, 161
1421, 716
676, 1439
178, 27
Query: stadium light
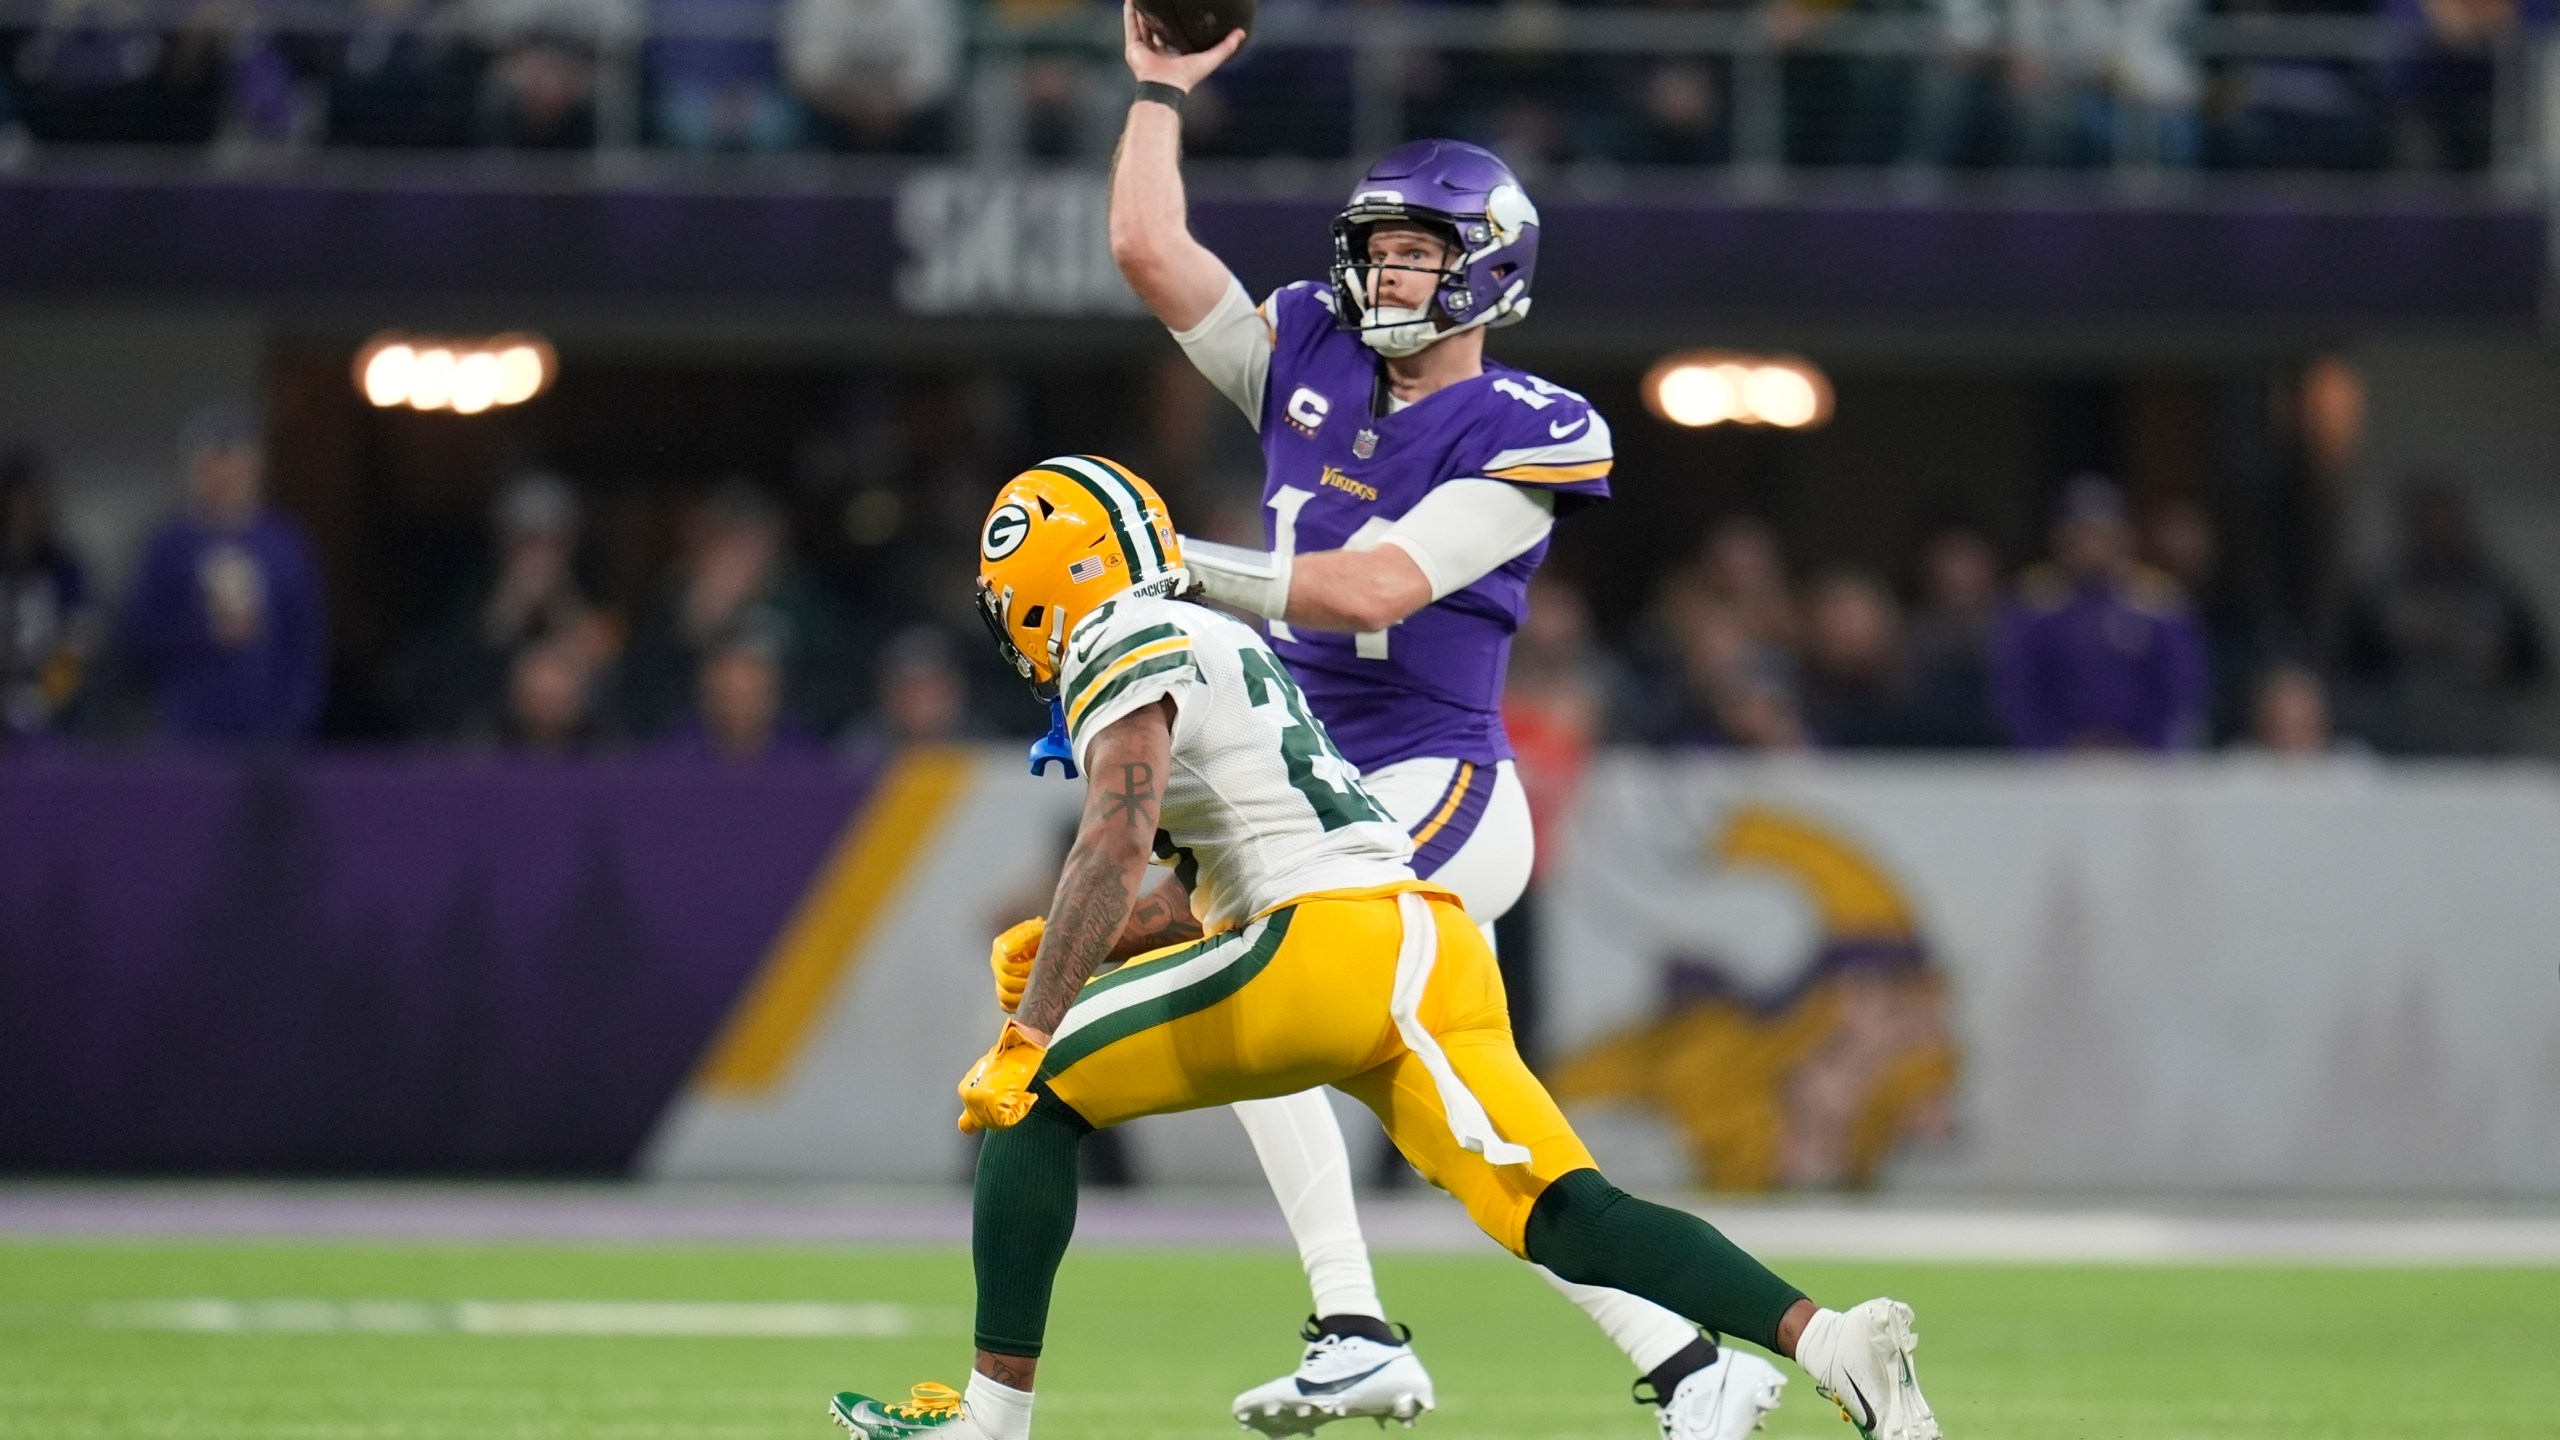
1695, 389
431, 379
383, 374
525, 366
475, 383
467, 376
1696, 395
1786, 393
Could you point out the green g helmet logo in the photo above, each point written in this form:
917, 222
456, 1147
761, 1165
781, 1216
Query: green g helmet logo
1006, 530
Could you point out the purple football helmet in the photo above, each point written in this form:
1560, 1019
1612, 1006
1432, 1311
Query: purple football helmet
1468, 194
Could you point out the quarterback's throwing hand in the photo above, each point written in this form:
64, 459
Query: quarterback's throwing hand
1011, 959
1152, 59
996, 1093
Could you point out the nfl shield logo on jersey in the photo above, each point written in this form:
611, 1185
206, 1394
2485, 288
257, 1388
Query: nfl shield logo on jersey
1364, 444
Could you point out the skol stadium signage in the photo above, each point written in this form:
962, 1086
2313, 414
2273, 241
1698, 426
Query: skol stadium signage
1008, 243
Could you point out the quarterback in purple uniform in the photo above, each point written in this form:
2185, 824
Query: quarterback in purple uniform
1411, 487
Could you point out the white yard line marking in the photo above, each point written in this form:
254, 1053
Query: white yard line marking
1913, 1227
1834, 1230
767, 1319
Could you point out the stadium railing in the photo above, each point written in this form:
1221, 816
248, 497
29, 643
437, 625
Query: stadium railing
1787, 90
1758, 94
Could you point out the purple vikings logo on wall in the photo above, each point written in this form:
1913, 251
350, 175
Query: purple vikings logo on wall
1815, 1084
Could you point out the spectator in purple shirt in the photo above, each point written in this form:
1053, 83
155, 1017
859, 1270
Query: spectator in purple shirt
2097, 652
226, 621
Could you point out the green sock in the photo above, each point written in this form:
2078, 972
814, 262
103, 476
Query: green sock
1025, 1214
1593, 1233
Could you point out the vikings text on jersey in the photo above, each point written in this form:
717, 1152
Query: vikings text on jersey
1341, 466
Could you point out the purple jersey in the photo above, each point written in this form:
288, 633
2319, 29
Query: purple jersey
1337, 471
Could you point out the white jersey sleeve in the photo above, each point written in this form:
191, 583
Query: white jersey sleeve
1232, 346
1126, 655
1463, 530
1260, 808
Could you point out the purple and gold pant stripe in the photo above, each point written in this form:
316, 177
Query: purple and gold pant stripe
1452, 819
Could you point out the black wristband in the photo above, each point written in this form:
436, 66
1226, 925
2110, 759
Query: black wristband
1169, 96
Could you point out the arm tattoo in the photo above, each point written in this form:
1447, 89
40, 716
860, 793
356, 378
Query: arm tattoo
1133, 801
1101, 875
1092, 900
1094, 892
1161, 917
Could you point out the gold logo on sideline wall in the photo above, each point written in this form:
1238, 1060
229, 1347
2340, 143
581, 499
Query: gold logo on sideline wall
1815, 1085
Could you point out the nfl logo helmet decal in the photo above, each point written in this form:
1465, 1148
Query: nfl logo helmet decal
1364, 444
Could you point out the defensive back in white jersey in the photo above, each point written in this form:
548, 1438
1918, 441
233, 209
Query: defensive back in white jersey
1260, 808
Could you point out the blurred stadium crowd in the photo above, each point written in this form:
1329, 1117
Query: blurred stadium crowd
751, 636
2353, 84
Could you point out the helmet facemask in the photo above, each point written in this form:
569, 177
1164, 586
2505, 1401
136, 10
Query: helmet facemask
1394, 331
995, 609
1489, 229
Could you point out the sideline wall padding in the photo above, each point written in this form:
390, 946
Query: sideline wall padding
379, 965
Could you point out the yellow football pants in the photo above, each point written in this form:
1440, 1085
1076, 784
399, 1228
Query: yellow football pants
1306, 996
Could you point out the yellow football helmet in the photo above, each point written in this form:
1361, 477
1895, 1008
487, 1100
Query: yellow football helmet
1066, 535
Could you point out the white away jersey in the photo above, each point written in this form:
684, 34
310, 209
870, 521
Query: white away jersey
1260, 808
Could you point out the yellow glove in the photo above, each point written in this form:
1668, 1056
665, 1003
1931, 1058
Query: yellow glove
996, 1093
1015, 949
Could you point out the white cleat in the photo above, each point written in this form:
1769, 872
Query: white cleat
1860, 1360
1723, 1401
1340, 1376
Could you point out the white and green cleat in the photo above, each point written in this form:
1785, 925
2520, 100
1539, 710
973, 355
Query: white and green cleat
1860, 1360
929, 1409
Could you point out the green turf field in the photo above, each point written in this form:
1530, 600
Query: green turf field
1152, 1345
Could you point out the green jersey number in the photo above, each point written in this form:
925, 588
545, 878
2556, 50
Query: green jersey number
1089, 631
1319, 772
1186, 866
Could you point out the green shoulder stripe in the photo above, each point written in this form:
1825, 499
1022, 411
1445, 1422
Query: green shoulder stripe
1163, 1009
1087, 671
1171, 660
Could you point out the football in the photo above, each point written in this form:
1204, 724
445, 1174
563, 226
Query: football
1191, 26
